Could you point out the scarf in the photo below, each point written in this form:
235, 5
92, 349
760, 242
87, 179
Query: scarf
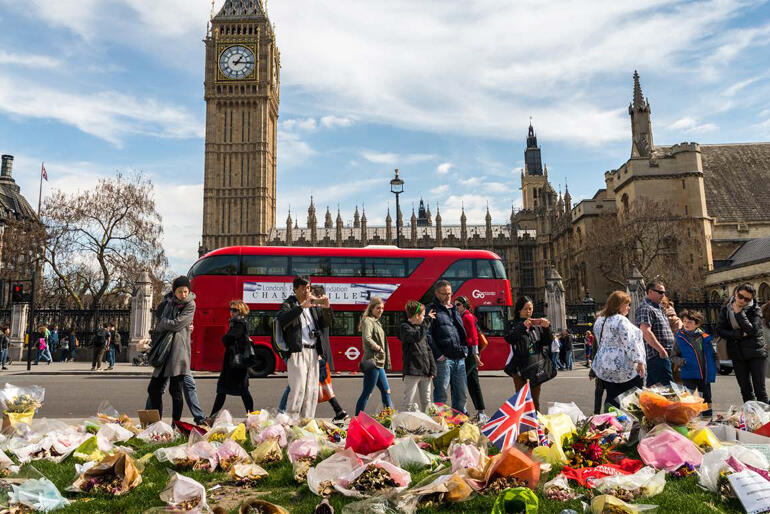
731, 313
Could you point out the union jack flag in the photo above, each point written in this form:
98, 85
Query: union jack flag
518, 414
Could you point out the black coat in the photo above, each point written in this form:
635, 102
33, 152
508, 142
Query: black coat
232, 380
446, 335
289, 319
740, 346
526, 343
417, 356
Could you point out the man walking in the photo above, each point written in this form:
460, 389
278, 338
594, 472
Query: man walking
5, 343
302, 322
114, 345
446, 338
53, 340
657, 334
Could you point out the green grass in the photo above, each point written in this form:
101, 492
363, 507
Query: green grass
681, 496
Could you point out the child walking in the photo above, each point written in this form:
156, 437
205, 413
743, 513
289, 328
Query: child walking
419, 365
695, 354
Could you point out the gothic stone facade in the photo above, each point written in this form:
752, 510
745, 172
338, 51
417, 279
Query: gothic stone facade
714, 187
242, 94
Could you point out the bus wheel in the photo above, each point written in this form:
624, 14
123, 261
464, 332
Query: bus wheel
265, 363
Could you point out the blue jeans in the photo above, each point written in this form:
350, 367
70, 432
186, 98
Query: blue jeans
450, 373
555, 360
110, 356
659, 371
3, 357
569, 360
44, 354
376, 377
190, 396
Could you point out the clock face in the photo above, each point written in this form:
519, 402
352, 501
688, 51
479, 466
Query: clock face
237, 62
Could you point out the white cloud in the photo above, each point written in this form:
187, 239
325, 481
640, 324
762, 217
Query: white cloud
471, 181
29, 60
690, 125
306, 124
439, 190
380, 157
332, 121
739, 86
107, 115
443, 168
292, 150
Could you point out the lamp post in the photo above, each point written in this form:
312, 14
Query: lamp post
397, 187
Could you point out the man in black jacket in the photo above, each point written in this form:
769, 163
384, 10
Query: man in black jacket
740, 324
100, 346
302, 321
446, 338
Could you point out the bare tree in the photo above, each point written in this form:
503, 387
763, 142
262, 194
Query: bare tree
99, 241
650, 237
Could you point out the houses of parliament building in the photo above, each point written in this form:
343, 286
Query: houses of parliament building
712, 188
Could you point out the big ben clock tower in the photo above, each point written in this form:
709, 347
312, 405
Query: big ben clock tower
242, 95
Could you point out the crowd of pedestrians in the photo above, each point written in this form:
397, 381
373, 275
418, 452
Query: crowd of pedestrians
442, 346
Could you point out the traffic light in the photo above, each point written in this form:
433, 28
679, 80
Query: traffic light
17, 294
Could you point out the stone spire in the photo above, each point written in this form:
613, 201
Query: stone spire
388, 228
488, 220
338, 231
567, 197
533, 164
429, 216
413, 226
241, 10
439, 234
328, 219
311, 221
289, 229
364, 235
463, 227
641, 125
356, 219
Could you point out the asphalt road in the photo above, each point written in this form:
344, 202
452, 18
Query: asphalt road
72, 392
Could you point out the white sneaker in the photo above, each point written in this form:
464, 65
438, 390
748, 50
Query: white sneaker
483, 418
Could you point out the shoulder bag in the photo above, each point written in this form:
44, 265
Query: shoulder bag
244, 356
160, 350
483, 341
539, 368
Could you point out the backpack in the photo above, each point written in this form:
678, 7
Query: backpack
278, 342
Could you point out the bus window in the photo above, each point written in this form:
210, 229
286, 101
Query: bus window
492, 320
318, 266
215, 265
346, 267
412, 265
264, 265
345, 323
387, 268
391, 322
499, 269
484, 268
260, 323
460, 269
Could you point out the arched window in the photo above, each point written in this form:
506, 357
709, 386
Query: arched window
624, 201
763, 293
716, 297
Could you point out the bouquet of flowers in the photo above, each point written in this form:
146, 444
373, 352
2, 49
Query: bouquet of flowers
178, 456
439, 412
231, 453
184, 494
248, 474
158, 432
113, 475
109, 414
385, 416
205, 455
267, 452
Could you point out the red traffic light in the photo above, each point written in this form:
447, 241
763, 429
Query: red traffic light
17, 294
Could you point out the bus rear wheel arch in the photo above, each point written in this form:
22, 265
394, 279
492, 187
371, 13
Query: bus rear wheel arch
265, 362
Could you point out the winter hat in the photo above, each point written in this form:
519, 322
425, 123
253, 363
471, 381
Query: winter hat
181, 281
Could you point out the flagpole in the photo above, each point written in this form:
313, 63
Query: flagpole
40, 194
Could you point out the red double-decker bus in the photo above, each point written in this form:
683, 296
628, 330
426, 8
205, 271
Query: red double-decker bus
262, 277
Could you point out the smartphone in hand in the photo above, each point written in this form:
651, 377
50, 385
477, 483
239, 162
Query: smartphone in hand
536, 322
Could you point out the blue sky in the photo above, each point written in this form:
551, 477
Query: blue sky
442, 90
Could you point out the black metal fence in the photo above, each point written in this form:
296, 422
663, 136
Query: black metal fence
85, 323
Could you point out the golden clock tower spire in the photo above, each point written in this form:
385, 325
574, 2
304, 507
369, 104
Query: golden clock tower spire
242, 95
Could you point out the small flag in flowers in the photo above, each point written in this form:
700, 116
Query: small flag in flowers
516, 415
541, 438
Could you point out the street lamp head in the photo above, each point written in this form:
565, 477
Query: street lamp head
396, 185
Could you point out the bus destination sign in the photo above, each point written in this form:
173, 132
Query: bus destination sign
339, 293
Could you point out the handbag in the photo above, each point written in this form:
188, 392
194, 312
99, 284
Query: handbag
367, 365
539, 369
160, 350
483, 341
244, 356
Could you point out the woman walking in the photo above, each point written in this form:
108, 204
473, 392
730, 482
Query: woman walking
419, 365
234, 380
620, 359
473, 360
530, 339
175, 323
588, 345
376, 355
740, 324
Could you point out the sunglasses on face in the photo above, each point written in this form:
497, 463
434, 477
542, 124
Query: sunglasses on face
233, 309
744, 298
658, 291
